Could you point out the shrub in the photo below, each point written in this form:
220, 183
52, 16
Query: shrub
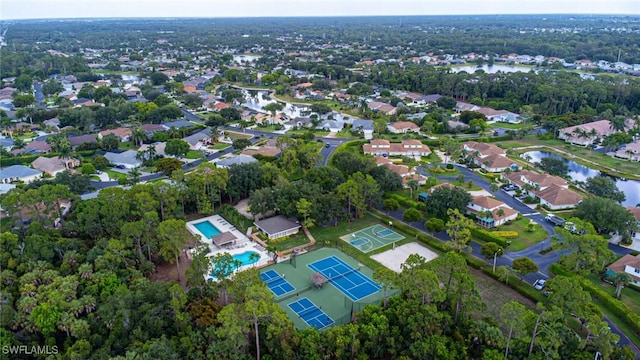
484, 235
449, 166
506, 234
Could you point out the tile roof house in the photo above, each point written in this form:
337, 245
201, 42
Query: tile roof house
488, 156
22, 173
556, 197
441, 185
636, 213
405, 148
501, 212
599, 129
121, 133
54, 165
159, 147
278, 226
150, 129
378, 106
403, 127
538, 181
629, 151
629, 264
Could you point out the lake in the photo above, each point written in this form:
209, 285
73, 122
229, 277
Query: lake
578, 172
490, 69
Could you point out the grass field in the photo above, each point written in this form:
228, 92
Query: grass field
495, 294
331, 235
524, 239
194, 154
509, 126
291, 242
629, 296
219, 146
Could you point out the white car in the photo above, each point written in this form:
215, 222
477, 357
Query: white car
539, 284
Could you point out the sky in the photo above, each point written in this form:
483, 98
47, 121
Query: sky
38, 9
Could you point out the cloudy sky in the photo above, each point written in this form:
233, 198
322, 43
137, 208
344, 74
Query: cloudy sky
35, 9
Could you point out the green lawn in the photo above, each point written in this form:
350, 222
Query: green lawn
509, 126
270, 128
194, 154
524, 239
291, 242
219, 146
113, 175
331, 234
235, 135
317, 133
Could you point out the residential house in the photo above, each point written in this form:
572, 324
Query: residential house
121, 133
54, 123
537, 182
385, 108
21, 173
127, 159
150, 129
235, 160
556, 197
383, 147
629, 264
298, 122
636, 213
54, 165
499, 116
501, 213
488, 156
463, 106
6, 143
158, 146
199, 140
35, 147
278, 226
364, 126
403, 127
629, 151
441, 185
178, 124
333, 126
76, 141
586, 134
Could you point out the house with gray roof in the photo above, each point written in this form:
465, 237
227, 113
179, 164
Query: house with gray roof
364, 126
178, 124
236, 160
22, 173
6, 143
278, 226
199, 139
127, 159
331, 125
76, 141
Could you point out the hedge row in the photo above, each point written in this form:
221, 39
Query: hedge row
485, 235
506, 234
406, 203
614, 305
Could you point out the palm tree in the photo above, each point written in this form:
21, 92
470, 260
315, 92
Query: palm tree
620, 280
135, 175
173, 132
494, 187
138, 136
64, 150
413, 186
617, 123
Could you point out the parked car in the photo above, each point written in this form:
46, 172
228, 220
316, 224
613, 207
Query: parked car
539, 284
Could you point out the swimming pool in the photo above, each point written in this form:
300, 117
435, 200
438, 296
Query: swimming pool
207, 229
245, 259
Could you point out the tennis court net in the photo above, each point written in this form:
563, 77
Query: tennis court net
293, 294
338, 276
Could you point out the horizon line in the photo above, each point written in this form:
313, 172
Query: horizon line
313, 16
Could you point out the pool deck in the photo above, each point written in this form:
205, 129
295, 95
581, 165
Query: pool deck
240, 245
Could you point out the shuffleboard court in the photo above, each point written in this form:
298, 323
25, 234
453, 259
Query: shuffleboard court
276, 283
350, 281
310, 313
372, 238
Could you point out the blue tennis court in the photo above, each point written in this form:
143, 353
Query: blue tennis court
310, 313
345, 278
386, 232
276, 283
